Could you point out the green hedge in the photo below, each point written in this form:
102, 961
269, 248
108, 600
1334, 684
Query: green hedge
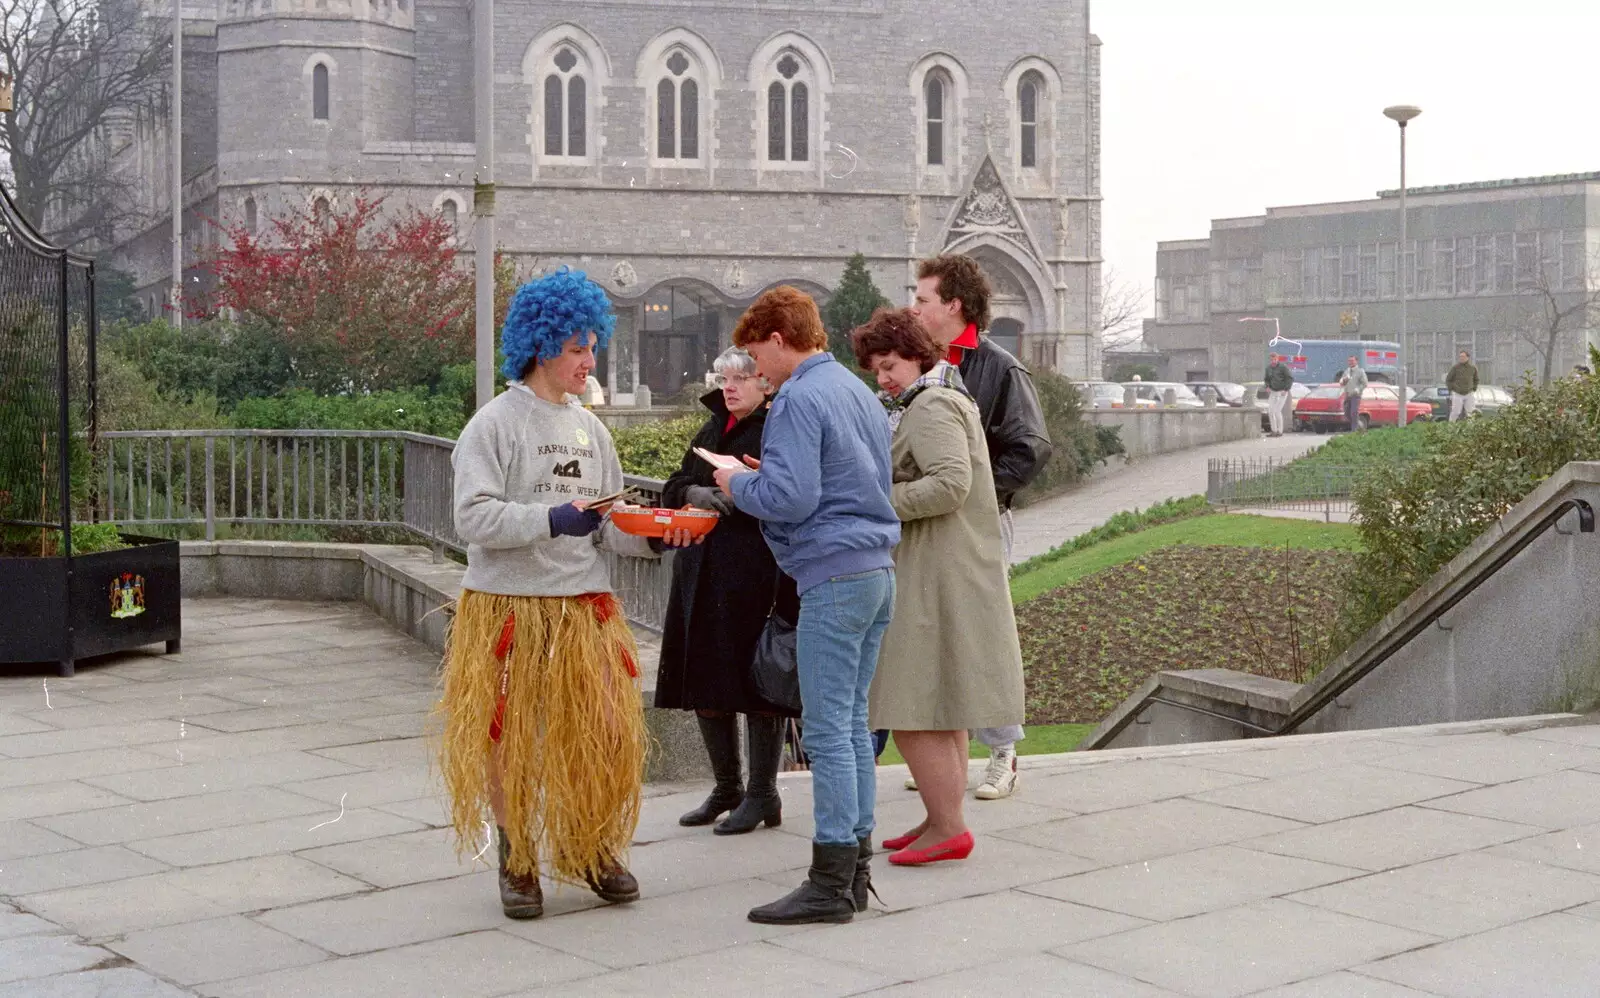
654, 450
1415, 518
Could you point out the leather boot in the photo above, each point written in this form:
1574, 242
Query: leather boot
614, 883
861, 886
824, 897
520, 893
722, 745
761, 801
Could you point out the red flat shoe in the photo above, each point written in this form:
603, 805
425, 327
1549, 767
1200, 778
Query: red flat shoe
900, 841
959, 847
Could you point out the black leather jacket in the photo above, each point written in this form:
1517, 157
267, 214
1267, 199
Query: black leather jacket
1013, 423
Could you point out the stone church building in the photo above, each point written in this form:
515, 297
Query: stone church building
687, 155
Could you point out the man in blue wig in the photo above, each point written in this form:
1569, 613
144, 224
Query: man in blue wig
541, 713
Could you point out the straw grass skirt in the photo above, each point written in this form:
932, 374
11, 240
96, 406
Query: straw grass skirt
549, 686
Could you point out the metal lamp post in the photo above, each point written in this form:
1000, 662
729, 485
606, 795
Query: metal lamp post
1402, 113
483, 198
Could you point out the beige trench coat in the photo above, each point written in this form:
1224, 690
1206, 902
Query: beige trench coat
950, 658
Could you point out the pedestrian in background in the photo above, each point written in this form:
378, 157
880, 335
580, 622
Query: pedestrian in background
1463, 383
1354, 381
952, 304
821, 492
1279, 380
950, 659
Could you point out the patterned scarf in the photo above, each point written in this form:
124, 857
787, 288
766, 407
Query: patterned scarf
940, 375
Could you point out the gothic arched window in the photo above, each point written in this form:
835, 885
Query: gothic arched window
678, 109
566, 106
789, 111
1031, 99
935, 96
319, 92
250, 217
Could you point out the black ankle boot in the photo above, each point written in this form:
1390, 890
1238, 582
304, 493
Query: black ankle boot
761, 800
520, 894
722, 746
824, 897
861, 886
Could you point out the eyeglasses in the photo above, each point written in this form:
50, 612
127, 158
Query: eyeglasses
737, 380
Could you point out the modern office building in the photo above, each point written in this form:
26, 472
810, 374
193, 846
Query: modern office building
1483, 262
686, 155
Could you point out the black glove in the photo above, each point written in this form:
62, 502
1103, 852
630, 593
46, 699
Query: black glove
709, 497
568, 520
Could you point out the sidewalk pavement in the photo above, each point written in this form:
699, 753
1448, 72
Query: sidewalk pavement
1138, 485
256, 818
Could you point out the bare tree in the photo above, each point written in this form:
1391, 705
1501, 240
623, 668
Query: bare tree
82, 69
1122, 311
1549, 310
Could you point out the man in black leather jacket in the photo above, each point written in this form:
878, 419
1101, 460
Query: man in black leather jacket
952, 303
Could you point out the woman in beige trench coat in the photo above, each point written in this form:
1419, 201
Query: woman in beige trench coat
950, 658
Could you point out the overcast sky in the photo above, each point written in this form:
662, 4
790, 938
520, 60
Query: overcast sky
1221, 108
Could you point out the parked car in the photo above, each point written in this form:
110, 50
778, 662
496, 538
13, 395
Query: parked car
1490, 399
1228, 393
1261, 395
1322, 409
1155, 391
1107, 395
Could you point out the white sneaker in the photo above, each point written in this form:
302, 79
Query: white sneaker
1000, 779
911, 783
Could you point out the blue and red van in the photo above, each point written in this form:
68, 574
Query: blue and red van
1318, 362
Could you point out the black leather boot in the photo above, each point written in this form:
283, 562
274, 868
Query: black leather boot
761, 801
824, 897
722, 745
520, 894
861, 886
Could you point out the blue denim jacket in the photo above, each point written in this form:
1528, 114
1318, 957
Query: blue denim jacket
822, 494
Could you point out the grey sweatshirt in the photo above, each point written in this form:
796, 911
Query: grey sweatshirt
518, 457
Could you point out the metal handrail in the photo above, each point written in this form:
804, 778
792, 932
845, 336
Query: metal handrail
1333, 691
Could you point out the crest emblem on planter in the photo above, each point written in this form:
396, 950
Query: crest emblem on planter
127, 595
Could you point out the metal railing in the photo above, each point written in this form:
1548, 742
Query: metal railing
1283, 484
317, 478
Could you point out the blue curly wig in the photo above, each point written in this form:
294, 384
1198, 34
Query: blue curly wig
549, 311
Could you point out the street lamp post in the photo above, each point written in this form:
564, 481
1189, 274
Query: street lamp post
177, 163
1402, 113
483, 199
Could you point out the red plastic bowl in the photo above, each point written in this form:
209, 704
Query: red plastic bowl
645, 521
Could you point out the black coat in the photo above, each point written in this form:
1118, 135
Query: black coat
1013, 422
722, 590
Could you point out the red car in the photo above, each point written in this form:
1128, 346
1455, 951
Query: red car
1323, 409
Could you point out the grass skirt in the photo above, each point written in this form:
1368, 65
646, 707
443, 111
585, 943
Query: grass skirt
549, 684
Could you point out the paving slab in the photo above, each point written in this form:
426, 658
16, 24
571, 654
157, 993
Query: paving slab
1192, 883
1241, 950
476, 964
397, 917
759, 968
24, 838
1492, 758
1118, 784
38, 770
397, 860
27, 957
1041, 975
59, 870
213, 777
1555, 956
1343, 985
1566, 799
154, 819
1401, 836
116, 982
1341, 792
215, 949
1458, 895
284, 835
1146, 831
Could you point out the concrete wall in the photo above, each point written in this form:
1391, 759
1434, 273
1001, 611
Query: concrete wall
411, 590
1147, 432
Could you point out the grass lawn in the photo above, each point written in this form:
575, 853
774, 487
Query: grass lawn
1227, 530
1042, 739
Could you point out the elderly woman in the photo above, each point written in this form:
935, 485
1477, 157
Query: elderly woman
950, 659
722, 591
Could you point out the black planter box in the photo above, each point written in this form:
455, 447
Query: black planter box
63, 609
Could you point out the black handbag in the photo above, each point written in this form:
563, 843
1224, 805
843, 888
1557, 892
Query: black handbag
775, 668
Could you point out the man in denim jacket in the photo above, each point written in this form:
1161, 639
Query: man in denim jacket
822, 493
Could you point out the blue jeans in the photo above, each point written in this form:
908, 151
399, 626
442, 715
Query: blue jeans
840, 630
